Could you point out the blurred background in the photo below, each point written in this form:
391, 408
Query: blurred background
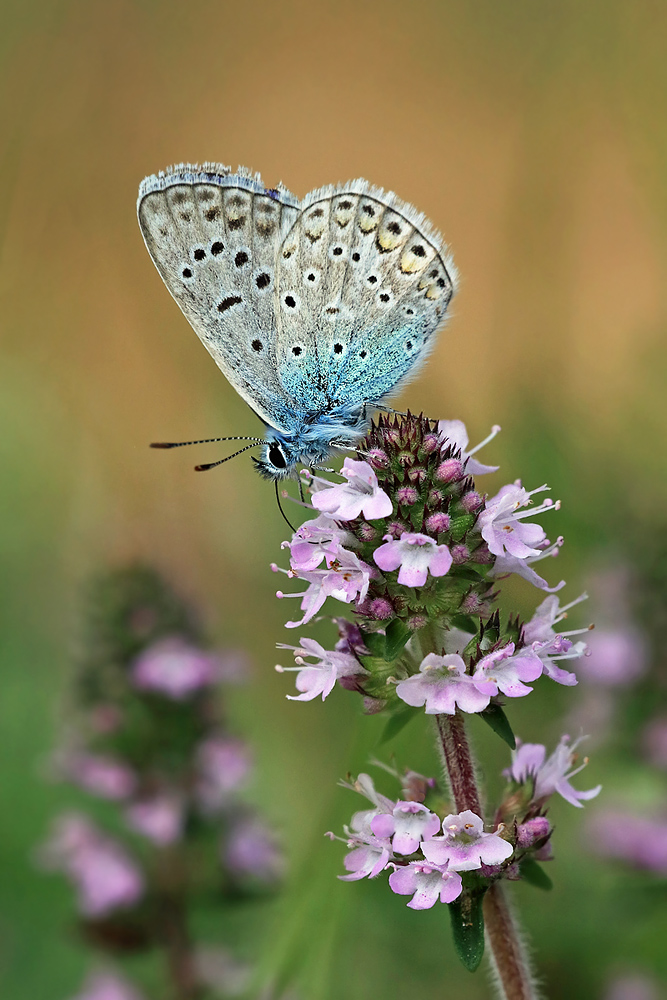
533, 135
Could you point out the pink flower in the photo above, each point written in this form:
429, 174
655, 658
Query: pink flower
314, 541
369, 856
346, 579
318, 678
408, 825
506, 564
98, 774
441, 684
417, 555
105, 876
549, 645
361, 494
108, 986
503, 671
502, 527
223, 766
174, 669
464, 846
550, 775
639, 840
160, 818
453, 432
427, 883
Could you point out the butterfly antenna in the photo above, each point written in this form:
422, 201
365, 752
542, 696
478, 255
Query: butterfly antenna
212, 465
183, 444
280, 508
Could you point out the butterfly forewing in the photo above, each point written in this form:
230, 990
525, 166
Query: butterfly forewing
363, 282
214, 237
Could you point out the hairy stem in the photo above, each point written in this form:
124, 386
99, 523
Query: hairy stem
459, 762
506, 951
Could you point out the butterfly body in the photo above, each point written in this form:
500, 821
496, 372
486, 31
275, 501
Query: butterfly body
315, 310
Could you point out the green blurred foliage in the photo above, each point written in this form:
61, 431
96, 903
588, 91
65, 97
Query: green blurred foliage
534, 135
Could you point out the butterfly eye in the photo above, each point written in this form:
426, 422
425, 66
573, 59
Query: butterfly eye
276, 457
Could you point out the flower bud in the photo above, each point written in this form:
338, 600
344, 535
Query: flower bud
471, 501
438, 522
532, 831
415, 622
482, 554
460, 554
406, 458
449, 471
381, 609
396, 529
430, 443
417, 475
407, 495
366, 532
377, 458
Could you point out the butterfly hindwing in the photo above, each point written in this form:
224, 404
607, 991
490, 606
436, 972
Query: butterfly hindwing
363, 283
214, 237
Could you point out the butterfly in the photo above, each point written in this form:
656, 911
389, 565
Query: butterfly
315, 310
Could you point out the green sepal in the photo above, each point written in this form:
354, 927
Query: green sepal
397, 721
496, 718
535, 875
468, 928
397, 635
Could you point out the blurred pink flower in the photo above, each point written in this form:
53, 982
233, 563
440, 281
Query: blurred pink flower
251, 849
107, 986
629, 836
175, 669
633, 986
160, 818
105, 876
97, 774
223, 766
615, 656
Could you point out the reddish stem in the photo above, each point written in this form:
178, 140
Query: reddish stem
507, 954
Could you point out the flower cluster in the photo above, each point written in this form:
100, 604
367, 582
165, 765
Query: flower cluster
433, 858
411, 544
151, 739
417, 551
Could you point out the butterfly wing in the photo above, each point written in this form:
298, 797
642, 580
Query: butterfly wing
214, 237
363, 283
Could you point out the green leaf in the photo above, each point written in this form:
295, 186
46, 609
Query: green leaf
466, 623
396, 723
468, 928
535, 874
496, 718
397, 635
376, 642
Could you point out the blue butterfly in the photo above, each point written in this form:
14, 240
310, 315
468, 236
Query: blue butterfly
315, 310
